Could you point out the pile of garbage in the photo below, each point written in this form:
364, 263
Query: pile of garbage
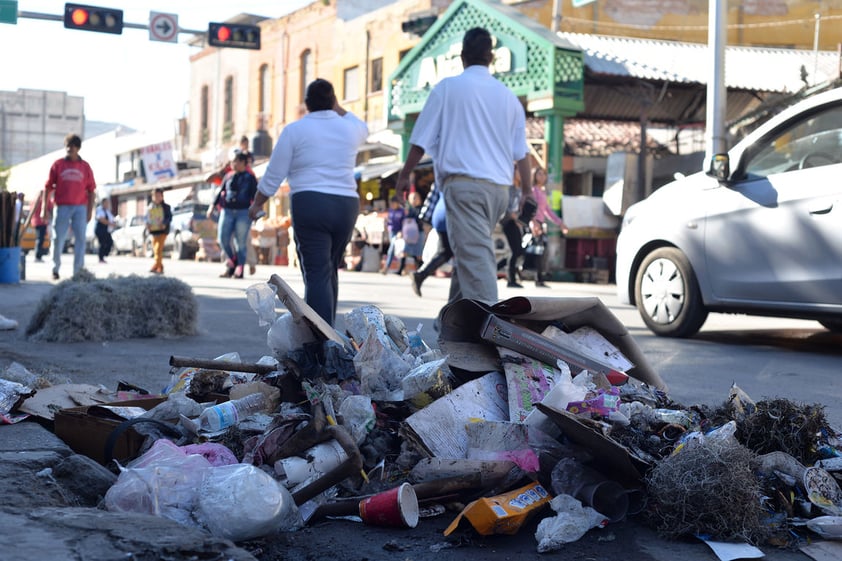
529, 408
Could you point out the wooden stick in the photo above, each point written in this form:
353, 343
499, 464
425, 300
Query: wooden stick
207, 364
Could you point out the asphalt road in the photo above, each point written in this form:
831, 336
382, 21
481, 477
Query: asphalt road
766, 357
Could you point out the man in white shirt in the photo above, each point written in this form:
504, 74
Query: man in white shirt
474, 128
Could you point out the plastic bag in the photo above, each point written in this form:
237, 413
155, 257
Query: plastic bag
242, 502
380, 369
431, 379
287, 334
261, 298
163, 482
358, 321
571, 523
357, 416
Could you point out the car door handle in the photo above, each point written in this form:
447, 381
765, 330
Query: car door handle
821, 209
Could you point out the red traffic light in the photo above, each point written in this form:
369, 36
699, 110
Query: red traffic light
234, 35
93, 18
223, 33
79, 16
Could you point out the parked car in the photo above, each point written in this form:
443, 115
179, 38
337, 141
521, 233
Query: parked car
189, 224
129, 237
759, 233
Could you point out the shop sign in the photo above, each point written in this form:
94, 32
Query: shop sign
509, 56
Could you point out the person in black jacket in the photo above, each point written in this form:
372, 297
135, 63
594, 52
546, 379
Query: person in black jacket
238, 190
158, 219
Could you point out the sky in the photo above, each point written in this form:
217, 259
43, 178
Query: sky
127, 79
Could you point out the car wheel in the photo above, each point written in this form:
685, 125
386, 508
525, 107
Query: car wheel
147, 247
833, 325
667, 294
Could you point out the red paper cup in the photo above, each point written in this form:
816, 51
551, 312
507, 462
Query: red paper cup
396, 507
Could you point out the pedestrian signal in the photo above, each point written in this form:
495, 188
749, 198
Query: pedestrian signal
234, 35
93, 18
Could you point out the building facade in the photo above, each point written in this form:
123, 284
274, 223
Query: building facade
35, 122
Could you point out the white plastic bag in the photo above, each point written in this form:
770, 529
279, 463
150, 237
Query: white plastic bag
261, 298
242, 502
163, 482
571, 523
287, 334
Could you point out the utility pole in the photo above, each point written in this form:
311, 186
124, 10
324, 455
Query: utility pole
715, 105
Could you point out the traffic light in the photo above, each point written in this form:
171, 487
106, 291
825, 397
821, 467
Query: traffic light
234, 35
93, 18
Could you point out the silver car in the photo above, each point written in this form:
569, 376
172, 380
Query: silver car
759, 233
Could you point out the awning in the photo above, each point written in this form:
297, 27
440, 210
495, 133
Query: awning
368, 172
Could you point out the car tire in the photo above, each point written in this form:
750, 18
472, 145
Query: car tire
832, 325
146, 250
667, 294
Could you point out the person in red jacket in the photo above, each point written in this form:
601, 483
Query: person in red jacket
72, 189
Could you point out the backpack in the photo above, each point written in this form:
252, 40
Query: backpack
409, 230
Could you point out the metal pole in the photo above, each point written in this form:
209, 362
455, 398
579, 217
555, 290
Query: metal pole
816, 49
556, 23
716, 100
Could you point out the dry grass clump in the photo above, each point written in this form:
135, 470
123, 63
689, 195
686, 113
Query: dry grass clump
85, 308
785, 426
707, 488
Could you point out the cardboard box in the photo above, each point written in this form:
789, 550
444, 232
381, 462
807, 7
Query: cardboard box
86, 429
462, 324
503, 514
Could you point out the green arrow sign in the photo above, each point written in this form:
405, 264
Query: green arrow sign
9, 11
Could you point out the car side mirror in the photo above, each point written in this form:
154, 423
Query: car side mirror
720, 167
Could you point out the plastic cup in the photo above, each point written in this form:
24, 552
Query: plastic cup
396, 507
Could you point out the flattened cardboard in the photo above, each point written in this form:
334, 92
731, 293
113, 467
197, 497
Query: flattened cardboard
610, 457
462, 321
300, 309
86, 429
48, 400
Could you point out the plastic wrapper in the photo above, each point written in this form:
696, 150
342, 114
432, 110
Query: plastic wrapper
241, 502
261, 299
216, 454
360, 319
357, 416
571, 522
10, 394
427, 382
380, 369
288, 334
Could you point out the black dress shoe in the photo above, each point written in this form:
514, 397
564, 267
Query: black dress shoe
514, 285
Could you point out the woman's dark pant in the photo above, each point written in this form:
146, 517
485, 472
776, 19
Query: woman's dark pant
322, 227
514, 235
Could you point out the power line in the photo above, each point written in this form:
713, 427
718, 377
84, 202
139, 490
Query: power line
598, 23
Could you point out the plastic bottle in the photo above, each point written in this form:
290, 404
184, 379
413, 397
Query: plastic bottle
229, 413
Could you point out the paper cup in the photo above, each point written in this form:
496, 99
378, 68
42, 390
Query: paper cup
396, 507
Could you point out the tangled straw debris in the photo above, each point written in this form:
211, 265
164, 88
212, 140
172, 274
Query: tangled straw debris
708, 488
85, 308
